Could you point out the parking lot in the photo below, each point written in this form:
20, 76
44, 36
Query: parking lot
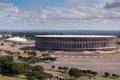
98, 63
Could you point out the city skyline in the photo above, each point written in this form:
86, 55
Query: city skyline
59, 14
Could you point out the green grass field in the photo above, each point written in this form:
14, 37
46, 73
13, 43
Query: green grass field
110, 54
67, 77
113, 79
10, 78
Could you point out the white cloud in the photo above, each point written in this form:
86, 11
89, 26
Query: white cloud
79, 14
8, 7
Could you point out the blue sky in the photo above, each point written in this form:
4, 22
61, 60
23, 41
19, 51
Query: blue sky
60, 14
26, 3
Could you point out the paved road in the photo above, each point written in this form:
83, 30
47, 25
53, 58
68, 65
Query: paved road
97, 63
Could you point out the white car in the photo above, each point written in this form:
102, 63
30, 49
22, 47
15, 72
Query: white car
47, 61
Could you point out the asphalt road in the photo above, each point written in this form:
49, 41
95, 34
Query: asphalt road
96, 63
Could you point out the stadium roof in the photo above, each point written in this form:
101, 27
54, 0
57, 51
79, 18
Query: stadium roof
75, 36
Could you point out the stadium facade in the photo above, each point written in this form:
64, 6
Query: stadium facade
75, 42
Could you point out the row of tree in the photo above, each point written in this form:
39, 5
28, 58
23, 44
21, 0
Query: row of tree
76, 73
9, 67
45, 57
31, 53
61, 68
107, 74
37, 72
35, 59
30, 59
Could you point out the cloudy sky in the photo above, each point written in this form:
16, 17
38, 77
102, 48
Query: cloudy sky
60, 14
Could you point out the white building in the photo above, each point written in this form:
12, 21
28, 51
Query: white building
16, 39
1, 35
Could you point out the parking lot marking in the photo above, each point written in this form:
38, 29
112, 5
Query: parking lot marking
79, 56
101, 56
66, 56
94, 56
59, 56
87, 56
72, 56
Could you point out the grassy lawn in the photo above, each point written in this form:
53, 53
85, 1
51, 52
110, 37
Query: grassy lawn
53, 72
62, 75
108, 78
113, 78
4, 78
110, 54
67, 77
10, 78
82, 79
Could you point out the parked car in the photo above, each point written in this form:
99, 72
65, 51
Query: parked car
47, 61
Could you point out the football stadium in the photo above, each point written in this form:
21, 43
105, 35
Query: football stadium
75, 42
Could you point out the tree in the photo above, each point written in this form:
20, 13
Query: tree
33, 59
89, 72
29, 52
65, 69
2, 44
20, 57
37, 74
12, 68
75, 72
45, 55
38, 68
60, 68
25, 51
115, 75
30, 76
49, 76
0, 70
44, 76
106, 74
94, 73
84, 72
53, 67
6, 59
52, 59
41, 77
17, 68
33, 53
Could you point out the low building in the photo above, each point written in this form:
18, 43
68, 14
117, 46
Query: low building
16, 39
1, 35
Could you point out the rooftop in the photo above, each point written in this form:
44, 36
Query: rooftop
74, 36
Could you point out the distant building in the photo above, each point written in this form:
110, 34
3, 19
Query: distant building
16, 39
1, 35
7, 35
75, 42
